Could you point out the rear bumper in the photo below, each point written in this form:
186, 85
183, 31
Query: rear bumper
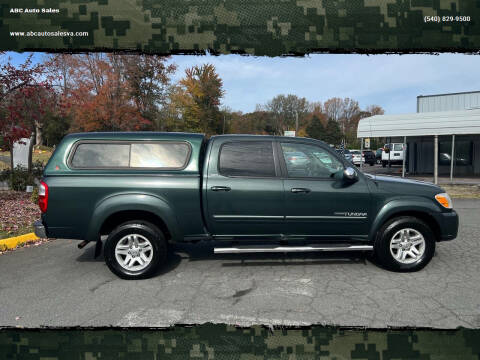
448, 223
40, 230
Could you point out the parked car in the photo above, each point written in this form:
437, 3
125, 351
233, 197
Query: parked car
296, 158
346, 154
393, 154
378, 155
446, 158
145, 191
369, 157
357, 157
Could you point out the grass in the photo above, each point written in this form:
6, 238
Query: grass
20, 231
462, 191
41, 153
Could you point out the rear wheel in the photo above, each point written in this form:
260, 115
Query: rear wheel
405, 244
135, 250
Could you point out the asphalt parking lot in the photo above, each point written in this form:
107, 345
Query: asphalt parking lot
55, 284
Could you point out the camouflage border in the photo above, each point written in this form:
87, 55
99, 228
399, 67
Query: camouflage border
211, 341
260, 27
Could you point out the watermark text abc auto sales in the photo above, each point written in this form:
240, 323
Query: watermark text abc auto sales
447, 18
34, 11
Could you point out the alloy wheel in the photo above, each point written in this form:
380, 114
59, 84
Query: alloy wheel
407, 246
134, 252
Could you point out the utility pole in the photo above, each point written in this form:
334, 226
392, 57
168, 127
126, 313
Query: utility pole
296, 123
223, 132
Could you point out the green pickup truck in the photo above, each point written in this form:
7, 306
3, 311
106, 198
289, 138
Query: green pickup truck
146, 190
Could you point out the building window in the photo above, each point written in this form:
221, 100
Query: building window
463, 152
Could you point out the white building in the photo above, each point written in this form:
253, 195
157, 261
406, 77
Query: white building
446, 126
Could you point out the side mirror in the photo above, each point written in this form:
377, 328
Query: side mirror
349, 174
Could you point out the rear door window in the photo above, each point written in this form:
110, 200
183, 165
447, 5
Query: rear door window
247, 158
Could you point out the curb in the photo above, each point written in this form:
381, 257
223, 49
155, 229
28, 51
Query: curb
13, 242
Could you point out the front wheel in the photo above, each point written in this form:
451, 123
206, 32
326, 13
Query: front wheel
135, 249
405, 244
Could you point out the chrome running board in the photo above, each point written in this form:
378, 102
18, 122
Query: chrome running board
284, 249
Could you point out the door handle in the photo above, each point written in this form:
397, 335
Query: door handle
300, 190
220, 188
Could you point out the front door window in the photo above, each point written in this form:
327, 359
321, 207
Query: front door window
310, 161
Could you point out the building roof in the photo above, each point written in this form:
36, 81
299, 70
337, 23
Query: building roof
421, 124
447, 94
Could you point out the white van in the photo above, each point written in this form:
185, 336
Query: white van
393, 152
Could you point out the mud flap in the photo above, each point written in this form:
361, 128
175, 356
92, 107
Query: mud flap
98, 248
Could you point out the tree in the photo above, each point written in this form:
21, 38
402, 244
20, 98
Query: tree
333, 134
149, 84
344, 111
316, 129
285, 109
101, 100
23, 94
256, 122
198, 98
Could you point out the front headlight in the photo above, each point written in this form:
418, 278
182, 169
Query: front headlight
444, 200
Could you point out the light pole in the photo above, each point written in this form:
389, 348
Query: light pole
296, 123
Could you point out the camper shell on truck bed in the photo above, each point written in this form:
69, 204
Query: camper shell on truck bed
146, 189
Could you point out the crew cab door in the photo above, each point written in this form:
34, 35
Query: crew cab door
316, 204
243, 188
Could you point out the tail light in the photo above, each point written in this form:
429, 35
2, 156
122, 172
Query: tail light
43, 196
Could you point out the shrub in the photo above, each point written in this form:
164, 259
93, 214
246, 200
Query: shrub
34, 196
37, 169
21, 178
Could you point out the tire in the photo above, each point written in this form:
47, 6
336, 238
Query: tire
150, 245
384, 163
391, 235
378, 161
372, 163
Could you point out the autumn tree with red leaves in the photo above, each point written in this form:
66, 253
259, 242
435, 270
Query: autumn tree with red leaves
23, 100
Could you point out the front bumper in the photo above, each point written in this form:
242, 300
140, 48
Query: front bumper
448, 223
40, 229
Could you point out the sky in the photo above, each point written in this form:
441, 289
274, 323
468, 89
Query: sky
390, 81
